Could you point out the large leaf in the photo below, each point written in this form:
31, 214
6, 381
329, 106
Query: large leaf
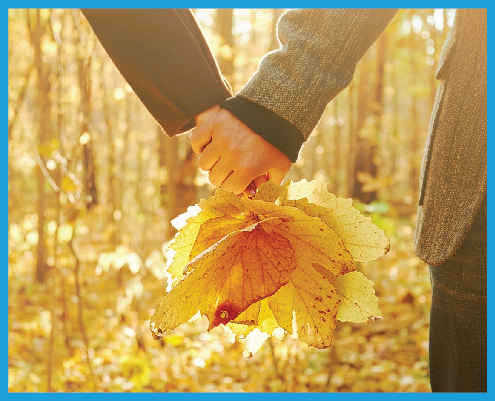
282, 261
356, 293
361, 237
243, 268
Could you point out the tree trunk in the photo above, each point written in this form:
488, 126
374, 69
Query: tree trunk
186, 188
276, 14
84, 78
351, 151
363, 160
337, 138
378, 102
225, 17
169, 161
36, 30
414, 139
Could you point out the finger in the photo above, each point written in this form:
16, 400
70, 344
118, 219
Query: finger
219, 173
237, 184
208, 158
201, 136
258, 181
278, 174
250, 191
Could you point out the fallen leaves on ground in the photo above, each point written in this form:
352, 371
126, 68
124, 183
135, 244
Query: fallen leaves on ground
390, 355
281, 261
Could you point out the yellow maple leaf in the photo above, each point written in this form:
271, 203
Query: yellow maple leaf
215, 229
358, 300
282, 261
257, 316
307, 306
183, 243
243, 268
314, 239
361, 237
222, 204
250, 264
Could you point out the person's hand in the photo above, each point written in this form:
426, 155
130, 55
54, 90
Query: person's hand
235, 155
205, 116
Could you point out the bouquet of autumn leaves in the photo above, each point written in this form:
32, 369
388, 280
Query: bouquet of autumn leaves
282, 261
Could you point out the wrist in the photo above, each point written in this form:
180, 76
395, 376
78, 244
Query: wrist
277, 131
205, 115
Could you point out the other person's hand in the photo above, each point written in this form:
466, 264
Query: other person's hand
234, 155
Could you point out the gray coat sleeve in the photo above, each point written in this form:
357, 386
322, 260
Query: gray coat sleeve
318, 53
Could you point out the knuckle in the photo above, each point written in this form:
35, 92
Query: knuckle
215, 180
195, 147
247, 169
195, 144
228, 187
202, 163
238, 189
232, 187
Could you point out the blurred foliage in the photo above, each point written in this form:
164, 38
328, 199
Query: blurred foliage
120, 292
93, 185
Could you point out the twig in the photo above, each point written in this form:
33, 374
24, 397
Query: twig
39, 162
332, 360
275, 359
20, 99
80, 313
63, 317
52, 329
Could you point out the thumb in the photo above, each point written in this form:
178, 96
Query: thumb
277, 174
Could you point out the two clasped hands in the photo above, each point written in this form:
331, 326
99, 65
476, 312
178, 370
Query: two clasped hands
237, 159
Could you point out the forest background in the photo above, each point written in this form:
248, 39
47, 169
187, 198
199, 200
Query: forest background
93, 184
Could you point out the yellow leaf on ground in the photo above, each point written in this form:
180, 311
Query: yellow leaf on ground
68, 185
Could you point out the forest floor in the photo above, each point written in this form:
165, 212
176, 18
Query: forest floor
111, 348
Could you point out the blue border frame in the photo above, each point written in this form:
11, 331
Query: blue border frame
224, 4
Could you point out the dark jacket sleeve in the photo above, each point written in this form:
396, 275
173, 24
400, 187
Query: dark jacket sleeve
165, 58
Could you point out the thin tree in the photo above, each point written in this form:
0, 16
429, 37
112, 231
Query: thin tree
224, 25
37, 29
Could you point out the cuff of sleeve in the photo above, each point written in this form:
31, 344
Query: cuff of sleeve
276, 130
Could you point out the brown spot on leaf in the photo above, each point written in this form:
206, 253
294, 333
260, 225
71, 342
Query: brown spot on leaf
224, 314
